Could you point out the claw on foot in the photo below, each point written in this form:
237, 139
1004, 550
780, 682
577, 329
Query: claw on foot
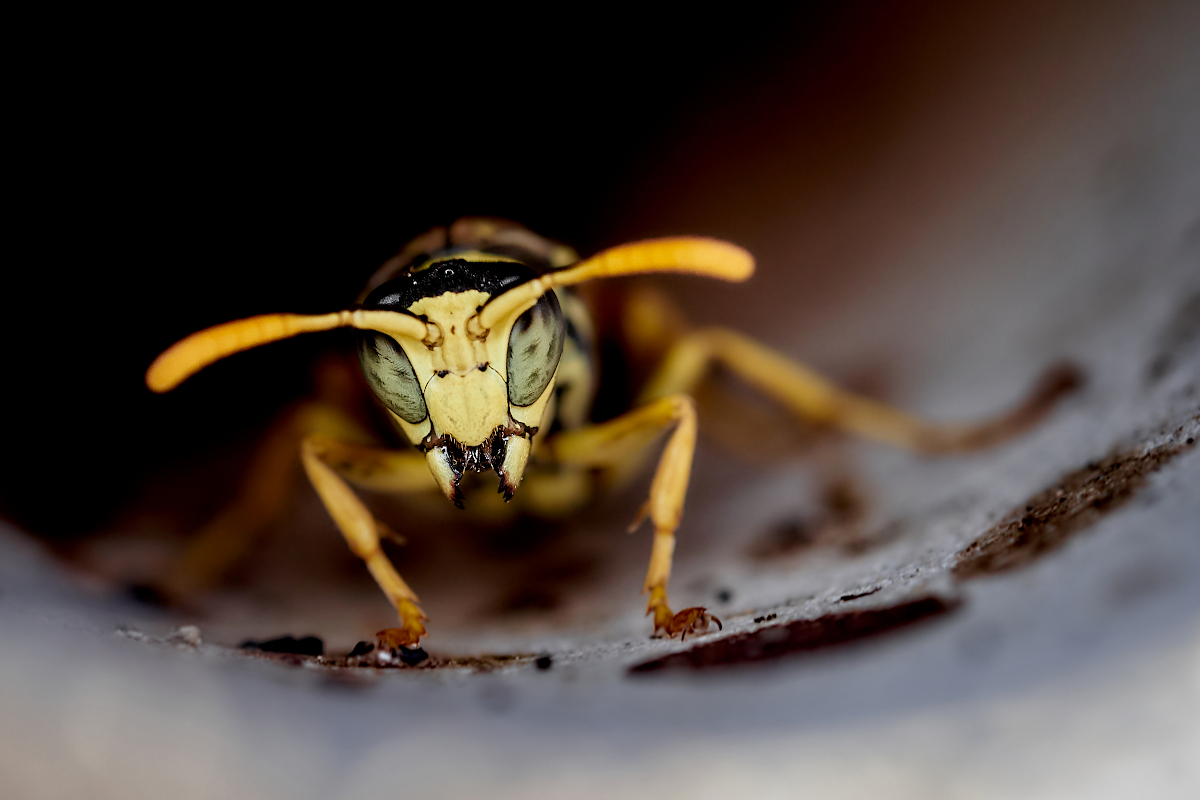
412, 620
392, 641
395, 638
691, 620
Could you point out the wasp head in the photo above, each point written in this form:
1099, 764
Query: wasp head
470, 397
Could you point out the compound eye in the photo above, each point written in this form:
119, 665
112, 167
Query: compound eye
390, 375
534, 347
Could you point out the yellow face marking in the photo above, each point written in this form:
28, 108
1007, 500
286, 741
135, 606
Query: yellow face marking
456, 351
468, 407
465, 401
462, 376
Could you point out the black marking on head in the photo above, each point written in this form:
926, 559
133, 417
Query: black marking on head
448, 275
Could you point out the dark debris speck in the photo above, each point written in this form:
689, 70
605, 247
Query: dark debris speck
411, 657
306, 646
361, 649
544, 662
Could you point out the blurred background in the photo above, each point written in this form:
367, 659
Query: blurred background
943, 198
220, 169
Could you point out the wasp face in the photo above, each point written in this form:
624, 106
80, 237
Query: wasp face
471, 398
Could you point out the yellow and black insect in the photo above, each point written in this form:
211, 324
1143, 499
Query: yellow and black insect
484, 360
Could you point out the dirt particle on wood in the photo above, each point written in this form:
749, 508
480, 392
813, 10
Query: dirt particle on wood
408, 656
480, 663
1047, 520
305, 646
188, 635
365, 657
361, 649
803, 636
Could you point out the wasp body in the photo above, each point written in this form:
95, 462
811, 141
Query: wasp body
483, 359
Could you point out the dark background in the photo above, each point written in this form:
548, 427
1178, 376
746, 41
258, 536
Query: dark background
179, 172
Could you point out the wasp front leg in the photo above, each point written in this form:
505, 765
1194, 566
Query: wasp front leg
608, 446
326, 460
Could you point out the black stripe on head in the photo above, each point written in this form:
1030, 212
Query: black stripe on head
451, 275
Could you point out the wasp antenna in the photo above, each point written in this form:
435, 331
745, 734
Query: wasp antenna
188, 356
393, 323
192, 354
690, 255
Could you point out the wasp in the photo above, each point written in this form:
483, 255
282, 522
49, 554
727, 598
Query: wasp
483, 358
